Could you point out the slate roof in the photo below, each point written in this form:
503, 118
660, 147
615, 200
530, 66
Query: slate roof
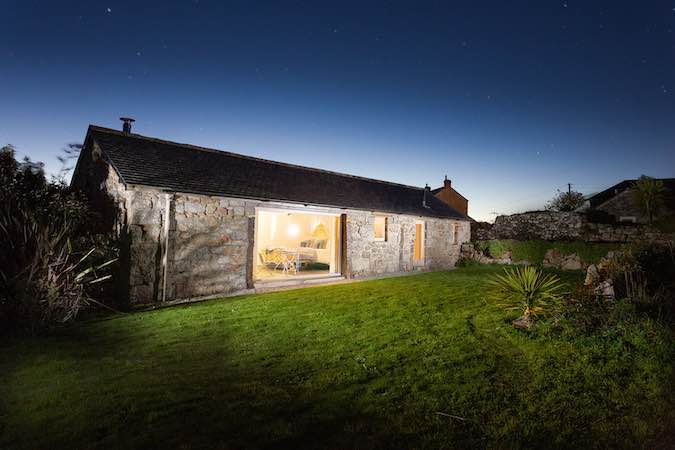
141, 160
601, 197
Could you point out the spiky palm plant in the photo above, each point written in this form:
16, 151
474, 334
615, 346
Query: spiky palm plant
649, 194
526, 289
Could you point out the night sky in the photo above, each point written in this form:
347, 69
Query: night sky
510, 99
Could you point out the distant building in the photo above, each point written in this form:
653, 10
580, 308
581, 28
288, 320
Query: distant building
619, 201
451, 197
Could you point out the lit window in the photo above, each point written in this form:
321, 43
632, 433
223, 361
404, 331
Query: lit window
380, 228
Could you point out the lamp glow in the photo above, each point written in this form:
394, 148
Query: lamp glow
293, 230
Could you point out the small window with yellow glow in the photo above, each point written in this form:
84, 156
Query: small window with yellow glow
380, 228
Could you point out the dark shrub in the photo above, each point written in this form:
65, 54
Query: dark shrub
643, 282
599, 216
655, 267
49, 265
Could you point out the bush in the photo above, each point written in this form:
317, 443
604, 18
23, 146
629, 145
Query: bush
643, 284
48, 262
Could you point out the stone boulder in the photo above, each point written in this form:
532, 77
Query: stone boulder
592, 275
571, 262
553, 258
522, 322
467, 250
605, 289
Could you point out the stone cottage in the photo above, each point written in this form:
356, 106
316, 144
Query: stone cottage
619, 202
199, 222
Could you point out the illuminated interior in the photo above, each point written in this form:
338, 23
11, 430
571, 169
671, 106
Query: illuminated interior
291, 244
380, 228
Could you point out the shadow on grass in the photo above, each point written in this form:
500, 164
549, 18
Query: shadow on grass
145, 380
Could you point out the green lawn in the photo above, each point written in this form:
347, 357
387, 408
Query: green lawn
375, 364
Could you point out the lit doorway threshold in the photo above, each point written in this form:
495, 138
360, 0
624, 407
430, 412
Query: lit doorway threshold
263, 285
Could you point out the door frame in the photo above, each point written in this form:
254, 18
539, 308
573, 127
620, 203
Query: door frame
299, 210
423, 232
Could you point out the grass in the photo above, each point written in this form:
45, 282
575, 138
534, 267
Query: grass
534, 250
419, 361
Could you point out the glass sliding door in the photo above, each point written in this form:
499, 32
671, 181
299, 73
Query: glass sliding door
291, 243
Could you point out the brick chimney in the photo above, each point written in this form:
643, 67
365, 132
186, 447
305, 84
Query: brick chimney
126, 124
451, 197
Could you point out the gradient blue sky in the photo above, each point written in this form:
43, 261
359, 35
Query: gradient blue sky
510, 99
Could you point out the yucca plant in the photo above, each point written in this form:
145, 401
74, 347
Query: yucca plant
527, 289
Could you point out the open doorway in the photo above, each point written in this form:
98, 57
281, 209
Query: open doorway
291, 244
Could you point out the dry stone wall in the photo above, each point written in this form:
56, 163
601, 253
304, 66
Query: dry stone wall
571, 226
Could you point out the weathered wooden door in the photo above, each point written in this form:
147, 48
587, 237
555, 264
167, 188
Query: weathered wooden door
418, 249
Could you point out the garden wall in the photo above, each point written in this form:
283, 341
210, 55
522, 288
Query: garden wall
564, 226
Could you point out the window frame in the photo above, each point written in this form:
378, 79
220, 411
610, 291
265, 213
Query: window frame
386, 226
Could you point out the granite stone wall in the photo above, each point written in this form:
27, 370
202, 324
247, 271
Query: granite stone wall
572, 226
367, 257
210, 245
211, 241
207, 251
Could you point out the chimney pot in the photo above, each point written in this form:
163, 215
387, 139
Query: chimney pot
126, 124
447, 183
